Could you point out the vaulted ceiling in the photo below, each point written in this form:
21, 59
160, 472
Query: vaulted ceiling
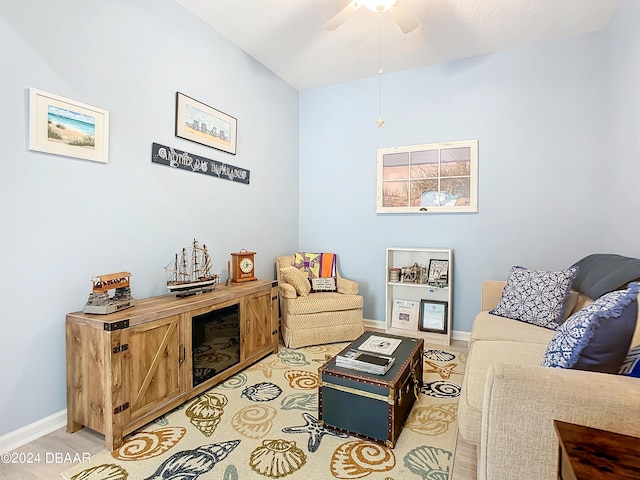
288, 37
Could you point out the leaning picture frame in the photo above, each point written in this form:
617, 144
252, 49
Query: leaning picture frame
203, 124
438, 273
433, 316
404, 314
62, 126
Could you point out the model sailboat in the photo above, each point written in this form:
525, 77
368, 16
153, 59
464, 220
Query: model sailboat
190, 271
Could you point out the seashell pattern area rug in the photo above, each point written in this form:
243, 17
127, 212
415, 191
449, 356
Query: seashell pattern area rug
262, 424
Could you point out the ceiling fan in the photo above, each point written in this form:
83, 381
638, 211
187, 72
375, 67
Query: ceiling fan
403, 17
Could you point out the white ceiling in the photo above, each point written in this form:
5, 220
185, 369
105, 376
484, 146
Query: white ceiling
287, 36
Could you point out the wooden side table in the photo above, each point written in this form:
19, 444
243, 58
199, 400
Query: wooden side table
590, 454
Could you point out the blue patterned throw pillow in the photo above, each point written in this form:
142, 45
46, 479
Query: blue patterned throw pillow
631, 364
536, 297
596, 338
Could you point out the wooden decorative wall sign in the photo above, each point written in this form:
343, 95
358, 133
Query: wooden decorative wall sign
187, 161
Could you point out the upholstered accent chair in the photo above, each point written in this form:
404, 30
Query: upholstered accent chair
316, 317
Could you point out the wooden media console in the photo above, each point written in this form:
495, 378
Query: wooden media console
129, 367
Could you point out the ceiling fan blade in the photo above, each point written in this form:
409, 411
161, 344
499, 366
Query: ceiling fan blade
405, 19
342, 15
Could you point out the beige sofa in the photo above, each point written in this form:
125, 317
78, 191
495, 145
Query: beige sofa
508, 401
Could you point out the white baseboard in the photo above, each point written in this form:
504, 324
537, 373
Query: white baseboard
12, 440
374, 325
458, 335
378, 326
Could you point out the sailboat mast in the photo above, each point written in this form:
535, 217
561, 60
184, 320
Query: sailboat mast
194, 260
175, 269
184, 274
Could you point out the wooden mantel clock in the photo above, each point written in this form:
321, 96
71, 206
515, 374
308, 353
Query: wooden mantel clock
242, 268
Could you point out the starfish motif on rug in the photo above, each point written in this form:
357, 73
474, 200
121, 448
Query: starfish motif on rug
268, 367
445, 372
315, 431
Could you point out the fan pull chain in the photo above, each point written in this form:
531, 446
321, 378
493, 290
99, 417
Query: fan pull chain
380, 121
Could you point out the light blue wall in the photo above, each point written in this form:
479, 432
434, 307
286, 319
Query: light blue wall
622, 153
66, 220
542, 116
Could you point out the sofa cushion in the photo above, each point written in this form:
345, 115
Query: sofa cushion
536, 297
493, 327
597, 338
602, 273
286, 290
492, 292
631, 364
482, 356
316, 265
323, 302
297, 278
348, 287
326, 327
324, 284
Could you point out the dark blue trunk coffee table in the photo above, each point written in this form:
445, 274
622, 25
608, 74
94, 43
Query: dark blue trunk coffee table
372, 406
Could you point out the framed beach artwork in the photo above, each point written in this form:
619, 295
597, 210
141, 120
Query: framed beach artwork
203, 124
62, 126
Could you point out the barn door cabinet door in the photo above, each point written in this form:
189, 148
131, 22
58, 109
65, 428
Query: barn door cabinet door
115, 378
256, 324
153, 364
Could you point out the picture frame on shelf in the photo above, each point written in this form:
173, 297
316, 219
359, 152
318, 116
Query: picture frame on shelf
433, 316
405, 314
200, 123
438, 274
66, 127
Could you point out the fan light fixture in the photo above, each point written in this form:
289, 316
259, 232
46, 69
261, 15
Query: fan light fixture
378, 6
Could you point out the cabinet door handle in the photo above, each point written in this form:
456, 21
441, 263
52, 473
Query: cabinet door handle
248, 326
182, 354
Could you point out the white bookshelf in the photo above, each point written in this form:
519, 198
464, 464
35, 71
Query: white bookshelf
407, 299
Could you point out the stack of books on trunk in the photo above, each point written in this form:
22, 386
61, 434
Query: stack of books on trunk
364, 362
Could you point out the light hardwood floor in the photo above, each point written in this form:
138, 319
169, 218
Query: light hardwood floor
464, 462
58, 448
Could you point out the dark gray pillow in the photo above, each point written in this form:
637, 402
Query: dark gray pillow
602, 273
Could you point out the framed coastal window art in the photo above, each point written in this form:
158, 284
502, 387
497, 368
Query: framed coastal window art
203, 124
428, 178
62, 126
